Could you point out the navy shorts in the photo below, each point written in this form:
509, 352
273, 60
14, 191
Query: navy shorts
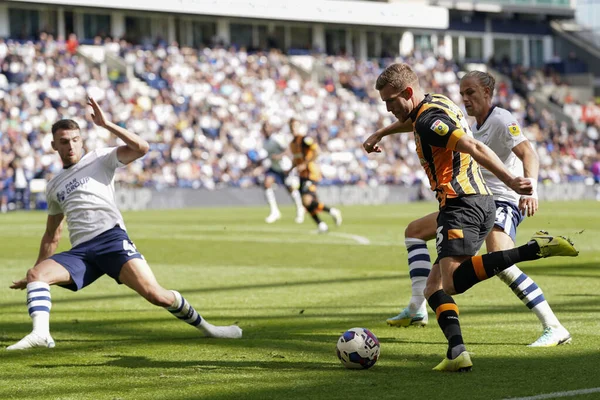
104, 254
508, 217
277, 175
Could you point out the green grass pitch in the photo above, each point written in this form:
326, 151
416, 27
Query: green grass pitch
294, 292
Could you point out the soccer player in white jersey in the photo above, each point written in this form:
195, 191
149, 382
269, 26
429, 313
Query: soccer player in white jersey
499, 130
84, 193
276, 147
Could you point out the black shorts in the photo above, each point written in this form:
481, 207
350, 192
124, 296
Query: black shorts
463, 224
308, 187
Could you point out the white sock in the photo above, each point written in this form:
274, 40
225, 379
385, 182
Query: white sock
298, 201
39, 304
182, 310
270, 195
419, 267
530, 294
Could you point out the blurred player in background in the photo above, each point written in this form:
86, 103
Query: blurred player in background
451, 158
84, 193
277, 147
305, 152
498, 129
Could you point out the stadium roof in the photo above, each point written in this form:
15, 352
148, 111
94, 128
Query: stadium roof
405, 14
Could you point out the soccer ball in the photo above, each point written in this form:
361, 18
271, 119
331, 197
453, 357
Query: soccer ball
358, 348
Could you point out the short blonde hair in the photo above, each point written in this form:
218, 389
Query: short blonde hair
397, 75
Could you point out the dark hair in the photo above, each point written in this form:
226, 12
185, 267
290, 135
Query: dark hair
64, 124
485, 80
398, 76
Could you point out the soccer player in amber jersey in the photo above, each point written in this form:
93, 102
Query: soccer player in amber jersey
451, 157
305, 151
498, 129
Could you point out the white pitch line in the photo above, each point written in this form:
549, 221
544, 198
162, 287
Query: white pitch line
256, 239
557, 395
359, 239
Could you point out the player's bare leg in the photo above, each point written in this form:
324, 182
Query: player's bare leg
311, 204
137, 275
37, 282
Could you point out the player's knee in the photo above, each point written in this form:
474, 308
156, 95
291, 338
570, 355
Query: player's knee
449, 288
33, 275
307, 200
37, 275
413, 230
430, 288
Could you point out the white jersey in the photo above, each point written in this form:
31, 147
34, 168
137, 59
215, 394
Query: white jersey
275, 145
501, 133
85, 193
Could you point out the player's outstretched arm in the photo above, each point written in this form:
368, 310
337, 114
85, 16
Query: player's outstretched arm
48, 245
490, 161
135, 147
371, 144
531, 166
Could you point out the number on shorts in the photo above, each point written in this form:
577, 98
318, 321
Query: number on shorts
129, 247
439, 238
500, 215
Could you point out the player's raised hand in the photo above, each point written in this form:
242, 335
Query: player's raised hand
522, 185
371, 144
20, 284
97, 114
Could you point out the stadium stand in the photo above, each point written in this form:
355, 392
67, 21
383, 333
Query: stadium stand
201, 110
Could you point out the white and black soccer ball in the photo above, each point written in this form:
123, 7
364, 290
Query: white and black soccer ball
358, 348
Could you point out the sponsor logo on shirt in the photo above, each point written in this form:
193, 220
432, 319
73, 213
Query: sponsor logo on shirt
514, 129
440, 128
70, 187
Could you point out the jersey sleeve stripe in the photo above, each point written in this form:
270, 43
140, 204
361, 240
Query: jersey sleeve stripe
454, 138
456, 173
466, 174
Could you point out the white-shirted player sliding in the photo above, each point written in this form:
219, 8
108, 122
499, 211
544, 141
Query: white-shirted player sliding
276, 146
499, 130
84, 193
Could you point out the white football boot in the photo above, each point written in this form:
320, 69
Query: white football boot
33, 340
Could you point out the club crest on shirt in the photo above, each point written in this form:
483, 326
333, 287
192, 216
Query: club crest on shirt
514, 129
440, 128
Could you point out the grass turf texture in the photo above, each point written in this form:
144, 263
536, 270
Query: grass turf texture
294, 292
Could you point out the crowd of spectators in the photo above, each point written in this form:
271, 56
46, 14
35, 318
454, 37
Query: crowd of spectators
202, 111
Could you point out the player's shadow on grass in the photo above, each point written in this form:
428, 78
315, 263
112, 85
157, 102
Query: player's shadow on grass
570, 269
145, 362
187, 292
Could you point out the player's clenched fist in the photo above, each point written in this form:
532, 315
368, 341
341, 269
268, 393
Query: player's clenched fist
371, 144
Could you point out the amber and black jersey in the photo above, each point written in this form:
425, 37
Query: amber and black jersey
438, 124
304, 150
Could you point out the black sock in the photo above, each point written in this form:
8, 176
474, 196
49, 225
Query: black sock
480, 268
312, 208
446, 312
315, 217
